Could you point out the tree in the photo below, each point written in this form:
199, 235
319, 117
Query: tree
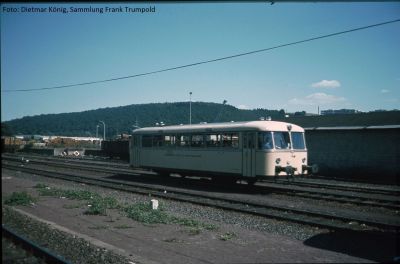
6, 130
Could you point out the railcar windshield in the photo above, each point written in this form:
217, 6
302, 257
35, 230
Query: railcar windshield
282, 140
265, 140
298, 140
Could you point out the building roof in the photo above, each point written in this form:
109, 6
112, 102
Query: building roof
353, 127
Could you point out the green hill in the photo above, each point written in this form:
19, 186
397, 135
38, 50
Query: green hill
122, 119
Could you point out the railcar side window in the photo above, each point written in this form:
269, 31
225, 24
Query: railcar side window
197, 141
298, 140
169, 141
183, 140
265, 140
158, 141
235, 140
212, 140
230, 140
282, 140
146, 141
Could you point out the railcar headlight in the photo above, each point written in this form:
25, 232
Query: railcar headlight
304, 160
277, 160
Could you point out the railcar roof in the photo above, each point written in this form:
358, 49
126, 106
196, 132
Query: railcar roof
219, 127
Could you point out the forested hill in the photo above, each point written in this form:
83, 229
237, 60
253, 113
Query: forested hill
122, 119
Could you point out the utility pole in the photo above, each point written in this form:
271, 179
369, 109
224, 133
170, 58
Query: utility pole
104, 129
220, 112
190, 108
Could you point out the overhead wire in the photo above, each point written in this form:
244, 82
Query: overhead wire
206, 61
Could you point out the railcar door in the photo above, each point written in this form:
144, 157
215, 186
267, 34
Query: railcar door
249, 154
135, 151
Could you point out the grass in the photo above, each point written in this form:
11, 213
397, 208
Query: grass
193, 231
96, 204
227, 236
40, 185
172, 240
122, 226
19, 198
143, 212
140, 212
98, 227
99, 205
70, 194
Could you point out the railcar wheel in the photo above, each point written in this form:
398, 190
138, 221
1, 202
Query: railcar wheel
251, 181
224, 180
163, 173
232, 180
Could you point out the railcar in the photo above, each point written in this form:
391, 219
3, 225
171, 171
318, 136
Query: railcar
228, 151
116, 148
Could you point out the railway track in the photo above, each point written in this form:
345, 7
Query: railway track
344, 187
329, 218
287, 188
320, 182
31, 248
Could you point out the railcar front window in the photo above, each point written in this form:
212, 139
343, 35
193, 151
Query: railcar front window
265, 140
298, 140
282, 140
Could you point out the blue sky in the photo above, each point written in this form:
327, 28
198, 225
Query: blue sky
359, 70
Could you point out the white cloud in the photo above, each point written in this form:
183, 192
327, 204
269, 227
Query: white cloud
318, 99
243, 107
326, 84
384, 91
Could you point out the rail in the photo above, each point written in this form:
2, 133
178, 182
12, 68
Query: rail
32, 247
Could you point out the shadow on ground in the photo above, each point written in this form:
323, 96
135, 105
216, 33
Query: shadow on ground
375, 246
192, 184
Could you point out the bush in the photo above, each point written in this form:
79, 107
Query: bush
19, 198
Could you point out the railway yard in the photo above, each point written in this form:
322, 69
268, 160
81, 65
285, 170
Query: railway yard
83, 210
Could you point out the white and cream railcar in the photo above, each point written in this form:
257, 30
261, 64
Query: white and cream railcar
248, 150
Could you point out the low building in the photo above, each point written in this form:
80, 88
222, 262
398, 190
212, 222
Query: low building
339, 112
356, 152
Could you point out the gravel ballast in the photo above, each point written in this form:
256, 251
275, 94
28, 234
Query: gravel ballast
237, 238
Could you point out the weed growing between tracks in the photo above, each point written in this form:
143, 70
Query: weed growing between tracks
227, 236
143, 212
97, 205
19, 198
140, 212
